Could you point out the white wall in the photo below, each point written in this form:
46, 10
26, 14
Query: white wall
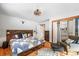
46, 25
40, 31
50, 30
55, 32
7, 22
14, 23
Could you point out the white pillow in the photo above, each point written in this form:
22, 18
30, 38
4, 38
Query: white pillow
16, 36
69, 41
24, 35
29, 35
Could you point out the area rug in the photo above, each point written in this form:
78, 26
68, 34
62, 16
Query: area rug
50, 52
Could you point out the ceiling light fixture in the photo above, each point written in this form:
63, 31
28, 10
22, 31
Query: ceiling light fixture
37, 12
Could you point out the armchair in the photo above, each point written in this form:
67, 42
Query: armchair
70, 45
57, 47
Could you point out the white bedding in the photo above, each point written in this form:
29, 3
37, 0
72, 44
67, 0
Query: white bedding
18, 44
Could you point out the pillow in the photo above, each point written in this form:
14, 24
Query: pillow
20, 35
16, 36
29, 35
24, 35
78, 41
69, 41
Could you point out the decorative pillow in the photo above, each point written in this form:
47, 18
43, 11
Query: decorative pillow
24, 35
76, 41
20, 35
16, 36
29, 35
69, 41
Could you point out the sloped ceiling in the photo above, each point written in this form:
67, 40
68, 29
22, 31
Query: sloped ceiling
49, 10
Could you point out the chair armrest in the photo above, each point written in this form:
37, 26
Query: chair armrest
65, 46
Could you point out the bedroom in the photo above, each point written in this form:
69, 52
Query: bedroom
19, 21
15, 25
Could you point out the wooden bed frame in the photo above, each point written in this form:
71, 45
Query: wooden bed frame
34, 49
11, 33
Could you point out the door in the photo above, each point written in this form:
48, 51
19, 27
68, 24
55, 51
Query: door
47, 35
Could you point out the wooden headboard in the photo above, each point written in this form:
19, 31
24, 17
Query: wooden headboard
11, 33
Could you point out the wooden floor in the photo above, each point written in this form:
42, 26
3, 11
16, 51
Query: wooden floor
7, 51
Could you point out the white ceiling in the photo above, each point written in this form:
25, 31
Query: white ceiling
25, 10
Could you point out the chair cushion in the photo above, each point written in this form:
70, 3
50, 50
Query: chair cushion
57, 47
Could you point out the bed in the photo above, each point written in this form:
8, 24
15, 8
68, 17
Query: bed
21, 44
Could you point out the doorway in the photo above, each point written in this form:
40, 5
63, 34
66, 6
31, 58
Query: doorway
46, 35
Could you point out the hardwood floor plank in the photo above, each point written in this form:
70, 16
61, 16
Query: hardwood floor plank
5, 52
